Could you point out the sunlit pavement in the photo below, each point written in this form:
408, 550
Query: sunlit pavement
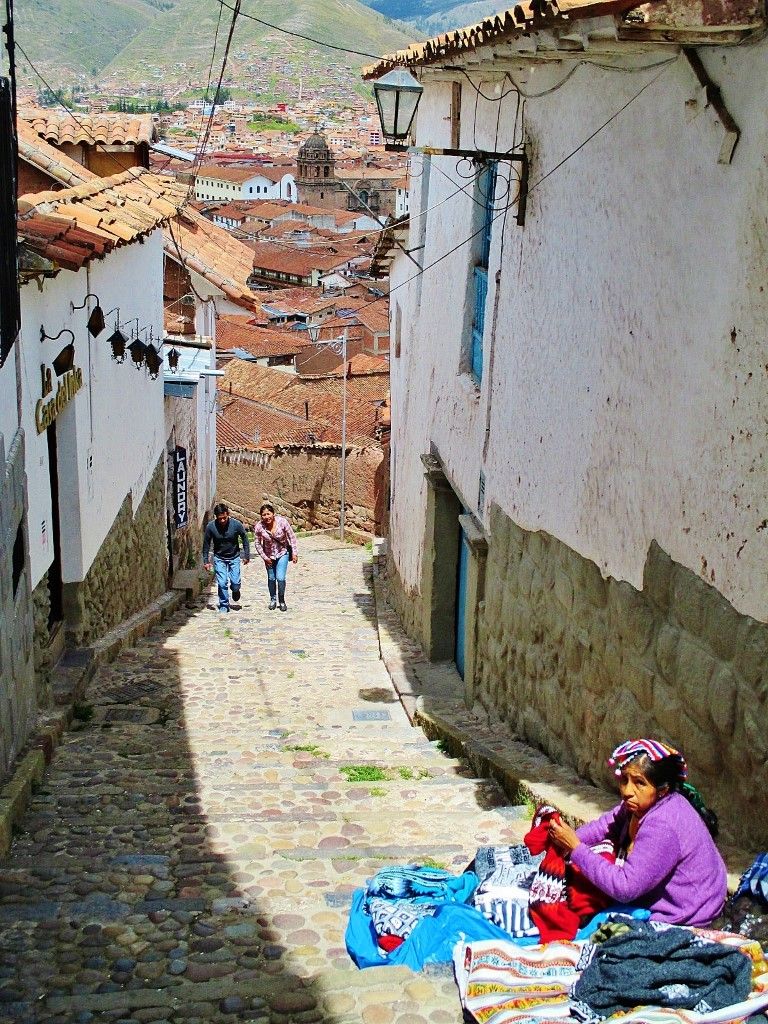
193, 851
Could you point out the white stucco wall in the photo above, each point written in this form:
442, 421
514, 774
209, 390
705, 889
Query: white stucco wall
111, 433
624, 385
256, 187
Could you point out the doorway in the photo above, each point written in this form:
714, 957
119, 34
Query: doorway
462, 577
55, 586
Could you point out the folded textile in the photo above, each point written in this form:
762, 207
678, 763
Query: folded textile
503, 897
666, 966
501, 982
397, 917
755, 879
423, 885
432, 939
489, 859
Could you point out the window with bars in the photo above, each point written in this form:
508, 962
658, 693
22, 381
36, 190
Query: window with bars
486, 187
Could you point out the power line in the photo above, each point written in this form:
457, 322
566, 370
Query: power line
300, 35
204, 143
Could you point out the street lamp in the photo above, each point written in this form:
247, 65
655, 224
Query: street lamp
397, 96
339, 346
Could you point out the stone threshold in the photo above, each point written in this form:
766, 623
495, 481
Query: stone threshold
70, 678
433, 697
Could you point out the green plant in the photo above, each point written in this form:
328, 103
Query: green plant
365, 773
430, 862
82, 712
405, 773
310, 748
227, 632
378, 791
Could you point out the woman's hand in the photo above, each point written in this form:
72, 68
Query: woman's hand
563, 836
295, 559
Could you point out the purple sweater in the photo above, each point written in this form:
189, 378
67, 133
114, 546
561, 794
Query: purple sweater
673, 869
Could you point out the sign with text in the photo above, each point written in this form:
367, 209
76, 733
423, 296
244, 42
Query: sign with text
180, 509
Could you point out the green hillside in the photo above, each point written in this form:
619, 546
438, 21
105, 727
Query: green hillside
176, 47
69, 38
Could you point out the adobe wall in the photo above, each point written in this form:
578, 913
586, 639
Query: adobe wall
307, 479
575, 663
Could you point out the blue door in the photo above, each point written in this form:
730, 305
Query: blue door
461, 603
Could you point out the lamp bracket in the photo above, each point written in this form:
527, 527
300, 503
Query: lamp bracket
90, 295
55, 337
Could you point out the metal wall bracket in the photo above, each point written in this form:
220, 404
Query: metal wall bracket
715, 101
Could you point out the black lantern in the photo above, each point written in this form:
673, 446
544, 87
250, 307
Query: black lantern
138, 350
153, 361
96, 322
65, 360
173, 360
397, 96
118, 341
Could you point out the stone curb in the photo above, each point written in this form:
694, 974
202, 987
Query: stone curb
70, 683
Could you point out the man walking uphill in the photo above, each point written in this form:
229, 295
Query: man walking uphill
225, 534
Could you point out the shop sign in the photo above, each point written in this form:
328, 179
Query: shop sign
48, 408
181, 515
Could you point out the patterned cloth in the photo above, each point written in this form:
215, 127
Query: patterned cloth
654, 750
423, 885
755, 879
505, 874
276, 543
397, 917
489, 858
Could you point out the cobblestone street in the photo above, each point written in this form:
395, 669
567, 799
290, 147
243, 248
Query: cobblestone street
193, 850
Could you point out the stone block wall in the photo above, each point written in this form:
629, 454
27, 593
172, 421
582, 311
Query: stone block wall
128, 573
575, 663
41, 604
18, 697
307, 480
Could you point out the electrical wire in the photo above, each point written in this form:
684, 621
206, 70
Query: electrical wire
204, 144
300, 35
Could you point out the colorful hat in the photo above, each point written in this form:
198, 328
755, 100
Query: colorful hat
654, 750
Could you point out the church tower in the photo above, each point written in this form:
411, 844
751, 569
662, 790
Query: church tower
316, 180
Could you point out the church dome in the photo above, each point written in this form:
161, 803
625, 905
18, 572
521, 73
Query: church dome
315, 148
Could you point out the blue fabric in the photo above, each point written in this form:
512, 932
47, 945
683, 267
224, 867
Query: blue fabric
227, 572
422, 885
276, 572
755, 879
432, 940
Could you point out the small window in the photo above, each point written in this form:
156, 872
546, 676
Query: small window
486, 185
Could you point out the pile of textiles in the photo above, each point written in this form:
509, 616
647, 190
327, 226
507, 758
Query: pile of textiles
412, 915
635, 973
505, 874
746, 912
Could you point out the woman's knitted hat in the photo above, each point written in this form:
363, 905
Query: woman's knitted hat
654, 750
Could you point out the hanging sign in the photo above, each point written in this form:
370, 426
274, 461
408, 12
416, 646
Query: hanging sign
47, 409
180, 512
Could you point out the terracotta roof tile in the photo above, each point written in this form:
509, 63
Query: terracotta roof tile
299, 262
52, 162
214, 254
59, 240
115, 210
228, 437
236, 332
276, 391
59, 127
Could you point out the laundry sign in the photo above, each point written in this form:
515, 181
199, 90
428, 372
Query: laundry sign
180, 508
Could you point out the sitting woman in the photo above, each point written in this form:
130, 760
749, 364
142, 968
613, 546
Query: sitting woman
666, 861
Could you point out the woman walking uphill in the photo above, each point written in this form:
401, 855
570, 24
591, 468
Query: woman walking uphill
275, 542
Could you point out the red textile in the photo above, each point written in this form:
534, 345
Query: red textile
389, 942
561, 898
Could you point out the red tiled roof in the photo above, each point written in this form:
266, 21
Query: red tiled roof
117, 210
59, 127
236, 332
375, 316
229, 437
299, 262
52, 162
212, 252
277, 391
241, 174
60, 241
298, 300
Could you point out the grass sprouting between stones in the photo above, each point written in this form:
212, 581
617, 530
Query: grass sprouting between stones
310, 748
378, 791
375, 773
